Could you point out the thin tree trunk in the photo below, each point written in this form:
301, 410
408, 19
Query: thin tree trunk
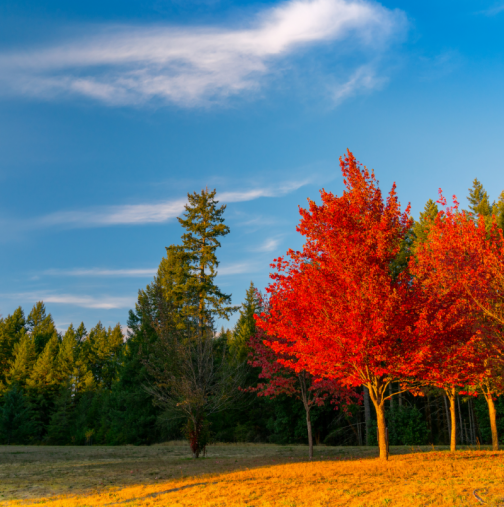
400, 398
377, 394
392, 398
471, 423
450, 392
461, 438
493, 421
307, 407
367, 415
310, 437
447, 415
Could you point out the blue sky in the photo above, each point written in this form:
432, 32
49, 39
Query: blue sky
111, 111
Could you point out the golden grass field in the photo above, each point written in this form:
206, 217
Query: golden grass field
250, 475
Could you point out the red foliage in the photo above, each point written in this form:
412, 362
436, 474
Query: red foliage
281, 379
460, 266
335, 302
336, 305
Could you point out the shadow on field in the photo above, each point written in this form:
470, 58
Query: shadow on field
41, 471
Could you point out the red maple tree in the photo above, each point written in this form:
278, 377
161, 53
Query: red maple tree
335, 304
462, 262
279, 379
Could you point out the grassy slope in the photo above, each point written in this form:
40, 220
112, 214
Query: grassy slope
253, 475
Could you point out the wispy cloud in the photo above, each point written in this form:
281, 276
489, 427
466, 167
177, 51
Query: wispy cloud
364, 79
493, 11
99, 272
152, 213
224, 270
101, 302
238, 268
269, 245
193, 65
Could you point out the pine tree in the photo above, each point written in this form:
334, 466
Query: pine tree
245, 326
24, 359
17, 423
422, 226
204, 223
101, 350
498, 210
44, 377
41, 326
72, 369
479, 203
81, 332
60, 425
11, 330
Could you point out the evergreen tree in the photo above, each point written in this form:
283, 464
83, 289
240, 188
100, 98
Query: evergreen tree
498, 210
59, 430
17, 424
71, 366
479, 203
245, 326
203, 220
81, 332
24, 359
41, 326
427, 217
44, 377
12, 329
101, 350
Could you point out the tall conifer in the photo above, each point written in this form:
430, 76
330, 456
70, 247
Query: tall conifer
41, 326
203, 220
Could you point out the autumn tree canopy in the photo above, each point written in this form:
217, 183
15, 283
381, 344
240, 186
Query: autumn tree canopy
336, 304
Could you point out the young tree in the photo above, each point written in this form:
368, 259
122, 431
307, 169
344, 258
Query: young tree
463, 259
189, 379
279, 379
12, 329
245, 326
342, 313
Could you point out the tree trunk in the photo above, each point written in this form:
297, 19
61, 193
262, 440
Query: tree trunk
305, 393
450, 393
391, 391
472, 440
382, 431
367, 415
447, 415
310, 437
493, 421
377, 394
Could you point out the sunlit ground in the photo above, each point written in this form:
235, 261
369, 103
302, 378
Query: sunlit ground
247, 475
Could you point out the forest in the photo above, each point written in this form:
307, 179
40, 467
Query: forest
382, 330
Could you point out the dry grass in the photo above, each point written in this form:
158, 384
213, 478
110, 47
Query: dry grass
246, 475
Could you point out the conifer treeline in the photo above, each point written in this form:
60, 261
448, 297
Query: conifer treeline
93, 387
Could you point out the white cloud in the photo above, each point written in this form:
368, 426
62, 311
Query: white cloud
238, 268
269, 245
363, 79
100, 302
193, 65
99, 272
152, 213
225, 270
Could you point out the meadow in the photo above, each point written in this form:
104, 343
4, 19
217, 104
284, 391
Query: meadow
247, 475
